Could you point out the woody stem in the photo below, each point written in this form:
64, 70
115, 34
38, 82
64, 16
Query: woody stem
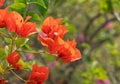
17, 76
34, 52
13, 38
3, 34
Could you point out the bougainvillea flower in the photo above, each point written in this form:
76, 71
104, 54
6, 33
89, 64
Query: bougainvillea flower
39, 75
67, 51
27, 29
59, 20
3, 81
1, 3
52, 28
13, 60
48, 42
16, 23
3, 14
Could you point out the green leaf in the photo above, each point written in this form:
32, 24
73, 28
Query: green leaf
20, 42
106, 6
48, 57
1, 70
71, 29
86, 45
87, 58
39, 2
35, 16
20, 1
47, 2
19, 7
25, 65
100, 73
2, 54
41, 10
56, 1
26, 46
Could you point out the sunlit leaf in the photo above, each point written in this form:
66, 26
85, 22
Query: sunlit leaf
20, 1
39, 2
19, 7
2, 54
35, 16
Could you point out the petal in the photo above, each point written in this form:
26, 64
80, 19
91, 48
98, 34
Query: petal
3, 81
68, 52
58, 20
1, 3
27, 29
3, 14
50, 21
17, 66
39, 73
31, 82
13, 58
48, 42
48, 24
14, 21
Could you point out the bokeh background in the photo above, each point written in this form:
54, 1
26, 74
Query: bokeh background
94, 24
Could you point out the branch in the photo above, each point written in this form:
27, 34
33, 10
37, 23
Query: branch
4, 35
100, 42
90, 22
17, 76
101, 27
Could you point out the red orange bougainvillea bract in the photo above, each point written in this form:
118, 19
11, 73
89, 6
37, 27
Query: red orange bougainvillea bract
54, 32
51, 29
52, 37
1, 3
15, 23
3, 14
39, 75
3, 81
67, 51
13, 59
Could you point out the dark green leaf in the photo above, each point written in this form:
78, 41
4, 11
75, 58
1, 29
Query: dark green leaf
56, 1
19, 7
39, 2
20, 42
41, 9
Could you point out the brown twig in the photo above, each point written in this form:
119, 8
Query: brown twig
90, 22
34, 52
17, 76
4, 35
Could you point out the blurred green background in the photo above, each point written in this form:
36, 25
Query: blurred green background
94, 24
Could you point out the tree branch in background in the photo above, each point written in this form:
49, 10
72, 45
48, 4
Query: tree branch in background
101, 27
90, 22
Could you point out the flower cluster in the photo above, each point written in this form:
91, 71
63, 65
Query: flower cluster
14, 23
51, 37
